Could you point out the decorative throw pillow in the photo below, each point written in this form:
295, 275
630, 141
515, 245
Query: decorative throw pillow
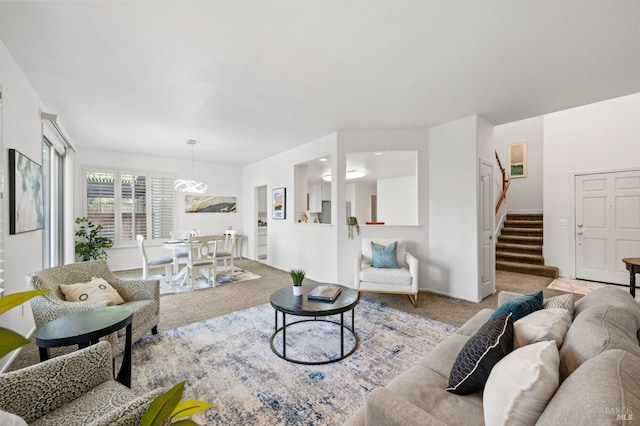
478, 356
538, 326
520, 306
521, 384
96, 290
10, 419
384, 256
564, 301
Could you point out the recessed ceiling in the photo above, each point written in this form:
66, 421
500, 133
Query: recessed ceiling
249, 79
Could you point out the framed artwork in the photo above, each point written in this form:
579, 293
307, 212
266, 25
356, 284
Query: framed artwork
208, 204
517, 160
279, 203
26, 208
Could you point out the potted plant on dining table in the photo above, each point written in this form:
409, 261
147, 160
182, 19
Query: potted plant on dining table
297, 276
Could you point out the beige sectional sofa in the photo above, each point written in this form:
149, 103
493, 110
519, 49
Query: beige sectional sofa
599, 373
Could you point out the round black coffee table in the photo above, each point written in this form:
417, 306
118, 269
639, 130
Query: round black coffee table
285, 302
86, 328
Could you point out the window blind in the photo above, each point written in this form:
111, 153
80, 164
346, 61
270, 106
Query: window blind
100, 201
162, 207
133, 207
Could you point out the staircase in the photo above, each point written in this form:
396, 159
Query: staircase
519, 247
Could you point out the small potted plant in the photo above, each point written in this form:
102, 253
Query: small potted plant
90, 244
297, 276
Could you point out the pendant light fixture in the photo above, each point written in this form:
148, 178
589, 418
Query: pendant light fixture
187, 185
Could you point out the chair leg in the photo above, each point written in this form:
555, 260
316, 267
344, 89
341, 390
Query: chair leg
168, 271
414, 299
154, 330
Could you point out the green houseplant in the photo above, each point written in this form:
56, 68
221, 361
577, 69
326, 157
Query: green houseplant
297, 276
10, 340
352, 223
168, 407
90, 244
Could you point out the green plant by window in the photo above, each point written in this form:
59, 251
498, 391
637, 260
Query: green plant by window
90, 244
297, 276
168, 407
10, 340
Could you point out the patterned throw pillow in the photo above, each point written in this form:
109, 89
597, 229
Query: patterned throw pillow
482, 351
384, 256
96, 290
564, 301
520, 306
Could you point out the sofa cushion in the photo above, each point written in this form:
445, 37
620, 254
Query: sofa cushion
520, 306
603, 390
474, 323
564, 301
538, 326
96, 290
425, 389
478, 356
612, 296
596, 330
442, 357
384, 256
521, 384
399, 276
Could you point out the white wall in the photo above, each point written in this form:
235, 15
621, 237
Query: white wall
22, 129
453, 262
360, 196
525, 194
604, 136
221, 179
397, 201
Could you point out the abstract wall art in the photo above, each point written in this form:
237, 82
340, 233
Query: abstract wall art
26, 206
209, 204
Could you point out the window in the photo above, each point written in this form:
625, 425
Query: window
1, 199
52, 165
119, 200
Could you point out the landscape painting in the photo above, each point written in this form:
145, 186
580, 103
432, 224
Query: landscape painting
279, 203
208, 204
25, 194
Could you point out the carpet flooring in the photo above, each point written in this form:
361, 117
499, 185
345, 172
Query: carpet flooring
227, 361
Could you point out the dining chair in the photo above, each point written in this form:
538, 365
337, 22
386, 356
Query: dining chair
166, 261
202, 255
228, 250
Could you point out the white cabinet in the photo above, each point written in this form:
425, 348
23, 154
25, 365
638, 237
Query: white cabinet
318, 194
326, 191
262, 242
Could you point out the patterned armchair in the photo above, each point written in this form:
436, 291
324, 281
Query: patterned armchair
73, 389
141, 295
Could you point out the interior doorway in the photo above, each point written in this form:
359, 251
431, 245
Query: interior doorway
261, 248
607, 225
487, 225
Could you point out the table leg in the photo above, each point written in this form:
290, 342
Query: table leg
632, 281
284, 335
124, 376
44, 354
342, 334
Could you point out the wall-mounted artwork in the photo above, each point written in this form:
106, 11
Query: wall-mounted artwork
206, 204
517, 157
279, 203
26, 208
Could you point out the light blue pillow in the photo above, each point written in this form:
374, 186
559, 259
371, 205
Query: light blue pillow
521, 306
384, 256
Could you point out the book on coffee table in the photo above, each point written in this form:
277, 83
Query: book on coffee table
325, 293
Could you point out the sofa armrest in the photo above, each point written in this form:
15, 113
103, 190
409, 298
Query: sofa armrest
47, 308
386, 409
131, 413
506, 296
41, 388
413, 270
358, 269
132, 290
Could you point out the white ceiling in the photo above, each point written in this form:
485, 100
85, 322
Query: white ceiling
249, 79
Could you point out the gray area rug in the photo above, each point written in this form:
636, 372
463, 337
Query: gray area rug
175, 286
228, 361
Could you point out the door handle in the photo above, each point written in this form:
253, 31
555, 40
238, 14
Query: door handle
579, 225
579, 233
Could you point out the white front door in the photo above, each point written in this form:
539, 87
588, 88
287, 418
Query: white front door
487, 220
607, 225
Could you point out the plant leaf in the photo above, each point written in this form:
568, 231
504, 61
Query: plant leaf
10, 341
189, 407
186, 422
17, 299
162, 406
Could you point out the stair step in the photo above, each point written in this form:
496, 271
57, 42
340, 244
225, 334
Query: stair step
533, 232
524, 268
521, 248
523, 223
519, 239
532, 259
524, 216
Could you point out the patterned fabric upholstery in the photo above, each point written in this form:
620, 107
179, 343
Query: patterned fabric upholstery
142, 295
73, 389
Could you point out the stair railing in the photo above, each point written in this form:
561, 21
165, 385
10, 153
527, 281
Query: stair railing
505, 183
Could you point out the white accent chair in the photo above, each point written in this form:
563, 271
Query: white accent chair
202, 255
159, 261
403, 280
